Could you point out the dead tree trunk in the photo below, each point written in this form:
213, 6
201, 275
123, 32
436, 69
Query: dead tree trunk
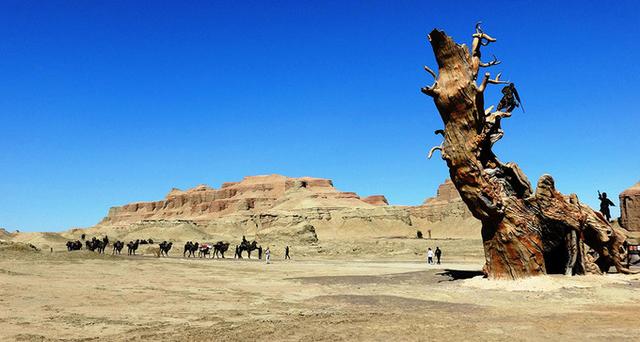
525, 233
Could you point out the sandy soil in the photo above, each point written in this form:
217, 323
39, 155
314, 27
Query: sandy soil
317, 297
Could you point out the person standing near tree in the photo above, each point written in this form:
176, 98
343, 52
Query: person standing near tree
438, 255
604, 205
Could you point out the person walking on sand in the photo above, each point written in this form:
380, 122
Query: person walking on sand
438, 255
267, 255
286, 253
429, 256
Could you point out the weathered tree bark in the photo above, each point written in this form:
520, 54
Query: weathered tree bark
525, 233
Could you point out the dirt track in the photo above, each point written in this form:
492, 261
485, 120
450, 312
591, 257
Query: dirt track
83, 296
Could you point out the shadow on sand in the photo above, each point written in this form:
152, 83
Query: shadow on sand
459, 274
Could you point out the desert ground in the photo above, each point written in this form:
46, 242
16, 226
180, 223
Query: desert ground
376, 290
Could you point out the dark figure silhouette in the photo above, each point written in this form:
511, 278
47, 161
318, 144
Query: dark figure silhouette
204, 250
510, 99
260, 252
117, 247
96, 245
191, 248
165, 247
83, 236
246, 246
74, 245
132, 247
286, 253
605, 203
105, 243
187, 248
219, 248
438, 255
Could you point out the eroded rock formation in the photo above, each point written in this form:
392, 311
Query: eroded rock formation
630, 208
254, 194
378, 200
525, 232
274, 205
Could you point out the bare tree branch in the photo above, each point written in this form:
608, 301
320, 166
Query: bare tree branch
495, 61
487, 80
429, 91
479, 39
433, 149
427, 69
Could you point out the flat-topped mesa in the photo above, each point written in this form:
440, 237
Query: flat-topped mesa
377, 200
446, 193
630, 208
447, 204
253, 194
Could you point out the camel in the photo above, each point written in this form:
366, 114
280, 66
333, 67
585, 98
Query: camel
95, 245
194, 249
246, 246
99, 246
220, 247
117, 247
191, 248
204, 250
165, 247
153, 250
132, 247
74, 245
187, 248
105, 243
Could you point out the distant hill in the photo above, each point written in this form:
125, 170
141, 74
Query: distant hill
276, 207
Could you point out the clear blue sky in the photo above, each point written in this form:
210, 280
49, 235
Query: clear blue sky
108, 102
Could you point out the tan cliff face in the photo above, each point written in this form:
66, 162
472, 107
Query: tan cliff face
275, 203
446, 193
630, 208
377, 200
276, 209
252, 195
447, 211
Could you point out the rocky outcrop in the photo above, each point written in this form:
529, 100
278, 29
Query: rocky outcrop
377, 200
297, 235
274, 205
12, 246
252, 195
447, 204
447, 193
630, 208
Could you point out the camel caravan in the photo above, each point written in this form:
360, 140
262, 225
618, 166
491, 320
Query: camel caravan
191, 249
